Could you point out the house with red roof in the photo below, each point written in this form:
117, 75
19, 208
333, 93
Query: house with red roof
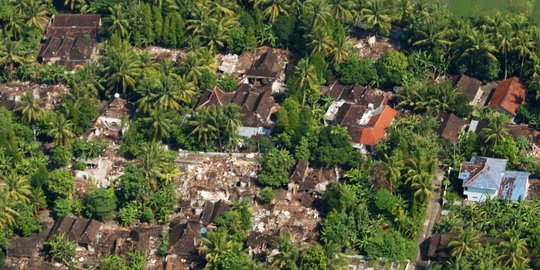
508, 96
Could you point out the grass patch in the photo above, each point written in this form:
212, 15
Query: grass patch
473, 8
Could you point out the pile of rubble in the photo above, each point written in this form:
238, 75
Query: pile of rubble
218, 178
160, 53
49, 95
371, 47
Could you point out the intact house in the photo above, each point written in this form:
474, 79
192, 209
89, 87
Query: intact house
362, 110
508, 96
450, 127
471, 88
257, 105
485, 177
70, 40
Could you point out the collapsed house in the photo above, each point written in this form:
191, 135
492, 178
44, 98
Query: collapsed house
311, 180
70, 40
112, 123
471, 88
12, 93
532, 135
257, 105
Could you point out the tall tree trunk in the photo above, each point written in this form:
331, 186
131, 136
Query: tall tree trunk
505, 65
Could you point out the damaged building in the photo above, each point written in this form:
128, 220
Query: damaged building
112, 123
257, 105
12, 93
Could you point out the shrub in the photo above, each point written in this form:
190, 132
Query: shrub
266, 195
101, 204
164, 244
147, 215
59, 249
79, 166
128, 214
62, 207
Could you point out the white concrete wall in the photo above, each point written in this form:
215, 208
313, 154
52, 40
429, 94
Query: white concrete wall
478, 195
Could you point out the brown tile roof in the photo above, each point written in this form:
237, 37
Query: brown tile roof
509, 95
256, 105
450, 127
468, 86
187, 238
300, 171
146, 238
73, 25
68, 50
267, 66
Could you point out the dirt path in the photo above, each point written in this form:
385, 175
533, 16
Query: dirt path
432, 215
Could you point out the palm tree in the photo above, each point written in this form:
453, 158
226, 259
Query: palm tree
88, 80
320, 11
431, 35
214, 32
274, 8
392, 167
119, 24
121, 67
341, 10
466, 242
341, 49
174, 93
321, 42
156, 165
423, 187
160, 126
18, 188
216, 245
15, 25
496, 131
230, 114
61, 130
306, 77
287, 254
12, 54
202, 126
514, 252
477, 45
36, 14
505, 39
523, 46
336, 260
7, 213
375, 16
30, 108
406, 9
73, 3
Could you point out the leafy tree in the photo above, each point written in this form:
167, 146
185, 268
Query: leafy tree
340, 196
334, 147
132, 185
128, 214
314, 258
61, 155
227, 83
101, 204
267, 195
277, 165
236, 222
240, 40
60, 184
356, 70
284, 28
62, 207
26, 223
389, 244
391, 68
61, 250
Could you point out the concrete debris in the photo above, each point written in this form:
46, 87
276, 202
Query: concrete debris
371, 46
13, 92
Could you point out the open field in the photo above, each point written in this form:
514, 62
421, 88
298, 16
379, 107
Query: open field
487, 7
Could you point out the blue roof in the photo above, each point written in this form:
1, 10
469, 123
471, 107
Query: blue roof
490, 174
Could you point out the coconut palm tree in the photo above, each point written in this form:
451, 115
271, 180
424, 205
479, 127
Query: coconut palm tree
155, 164
320, 11
505, 40
341, 49
523, 46
430, 34
7, 213
287, 254
375, 15
274, 8
15, 25
12, 54
423, 187
88, 80
336, 260
405, 10
216, 245
160, 126
173, 93
30, 109
341, 10
321, 42
392, 167
496, 131
17, 187
119, 24
306, 77
230, 120
36, 14
202, 125
466, 242
514, 252
121, 67
61, 130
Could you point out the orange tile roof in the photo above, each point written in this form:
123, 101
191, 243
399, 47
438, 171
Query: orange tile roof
509, 95
377, 126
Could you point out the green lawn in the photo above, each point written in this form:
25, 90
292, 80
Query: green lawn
488, 7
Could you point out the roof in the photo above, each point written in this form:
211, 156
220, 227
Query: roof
377, 126
69, 51
450, 127
185, 239
468, 86
267, 66
526, 131
81, 230
73, 25
509, 95
256, 105
300, 171
356, 94
491, 174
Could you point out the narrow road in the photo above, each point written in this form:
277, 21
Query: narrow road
432, 215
